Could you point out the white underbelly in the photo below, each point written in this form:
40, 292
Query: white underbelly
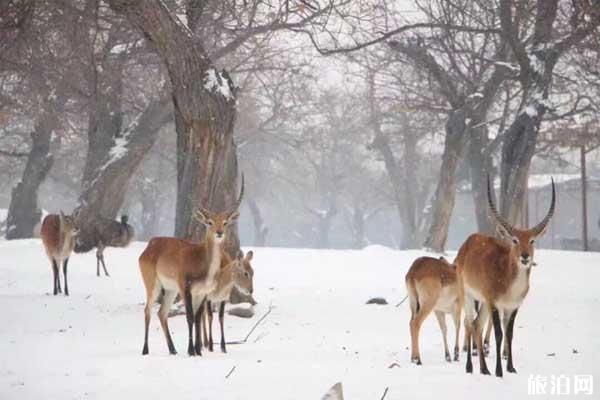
167, 283
447, 300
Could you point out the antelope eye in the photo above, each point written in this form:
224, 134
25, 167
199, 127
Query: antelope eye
532, 241
246, 274
209, 222
515, 241
225, 223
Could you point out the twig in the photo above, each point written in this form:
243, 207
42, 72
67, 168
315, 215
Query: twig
254, 327
385, 393
402, 301
230, 372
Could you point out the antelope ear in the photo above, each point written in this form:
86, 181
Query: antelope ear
249, 255
233, 216
239, 255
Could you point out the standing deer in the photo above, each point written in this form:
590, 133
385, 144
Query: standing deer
221, 296
58, 236
190, 270
103, 233
495, 272
431, 285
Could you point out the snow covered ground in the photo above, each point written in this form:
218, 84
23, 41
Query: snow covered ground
88, 346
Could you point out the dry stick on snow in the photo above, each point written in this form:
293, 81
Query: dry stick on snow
402, 301
254, 327
230, 372
385, 393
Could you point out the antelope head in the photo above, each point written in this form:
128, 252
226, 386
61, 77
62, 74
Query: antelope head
68, 224
243, 274
216, 223
521, 240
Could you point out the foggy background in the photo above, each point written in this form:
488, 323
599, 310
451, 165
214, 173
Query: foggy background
308, 130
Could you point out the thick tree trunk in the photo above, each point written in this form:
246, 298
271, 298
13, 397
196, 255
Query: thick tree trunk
105, 120
520, 138
443, 202
23, 211
204, 106
104, 194
260, 230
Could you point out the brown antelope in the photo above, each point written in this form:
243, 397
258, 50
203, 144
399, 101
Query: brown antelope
221, 296
103, 233
495, 272
58, 236
431, 286
177, 266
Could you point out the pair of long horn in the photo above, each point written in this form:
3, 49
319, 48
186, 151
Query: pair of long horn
538, 229
234, 208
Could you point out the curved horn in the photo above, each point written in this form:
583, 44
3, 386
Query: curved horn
539, 228
241, 196
493, 209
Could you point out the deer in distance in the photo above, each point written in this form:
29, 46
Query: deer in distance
176, 266
495, 272
432, 286
103, 233
58, 236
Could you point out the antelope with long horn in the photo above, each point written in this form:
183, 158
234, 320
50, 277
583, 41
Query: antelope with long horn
495, 272
431, 286
192, 270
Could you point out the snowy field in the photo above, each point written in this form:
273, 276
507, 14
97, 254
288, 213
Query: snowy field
88, 346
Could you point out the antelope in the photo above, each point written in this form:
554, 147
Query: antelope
221, 295
431, 286
495, 272
191, 270
104, 232
58, 236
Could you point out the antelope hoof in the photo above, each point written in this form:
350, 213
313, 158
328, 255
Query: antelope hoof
485, 371
469, 368
499, 372
511, 369
145, 350
448, 358
416, 360
191, 351
223, 350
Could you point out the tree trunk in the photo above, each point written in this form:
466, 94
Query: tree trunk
480, 165
357, 221
397, 181
105, 120
443, 202
23, 211
324, 227
520, 138
260, 230
149, 202
204, 107
104, 194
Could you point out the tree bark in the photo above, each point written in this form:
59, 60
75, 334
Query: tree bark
105, 193
443, 202
204, 108
23, 211
480, 166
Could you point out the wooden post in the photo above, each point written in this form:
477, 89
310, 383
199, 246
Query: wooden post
584, 200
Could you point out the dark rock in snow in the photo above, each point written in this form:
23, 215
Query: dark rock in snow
377, 300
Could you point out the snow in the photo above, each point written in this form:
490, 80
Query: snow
216, 82
531, 111
320, 331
